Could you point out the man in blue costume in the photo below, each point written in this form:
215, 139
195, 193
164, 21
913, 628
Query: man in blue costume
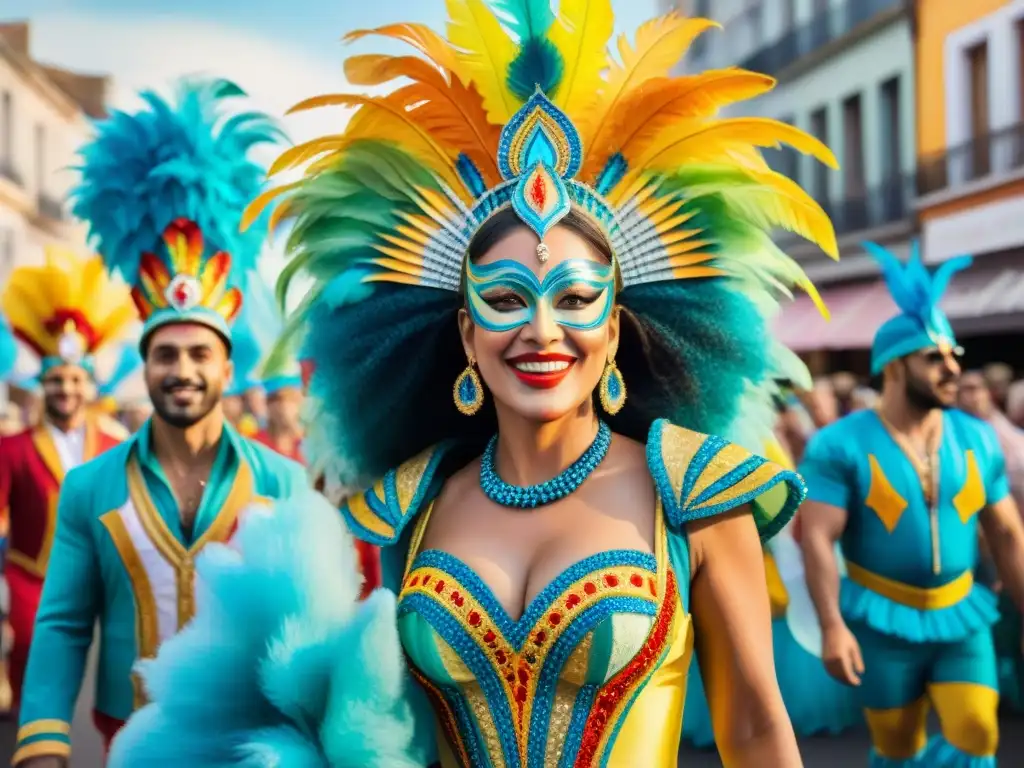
903, 490
163, 192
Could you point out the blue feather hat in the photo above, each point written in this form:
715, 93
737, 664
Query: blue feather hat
921, 324
163, 191
128, 362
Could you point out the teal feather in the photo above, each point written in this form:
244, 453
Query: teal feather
183, 159
8, 350
539, 63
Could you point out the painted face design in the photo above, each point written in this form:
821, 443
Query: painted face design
506, 295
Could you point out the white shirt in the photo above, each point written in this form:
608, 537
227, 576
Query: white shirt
70, 446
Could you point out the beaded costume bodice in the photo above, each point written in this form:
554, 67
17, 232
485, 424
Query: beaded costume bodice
593, 673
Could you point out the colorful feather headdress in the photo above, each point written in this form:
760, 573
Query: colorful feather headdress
67, 309
921, 324
522, 107
163, 192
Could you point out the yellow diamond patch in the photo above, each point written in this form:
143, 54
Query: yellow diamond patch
882, 498
971, 498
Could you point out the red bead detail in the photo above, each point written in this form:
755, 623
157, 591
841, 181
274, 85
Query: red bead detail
439, 587
521, 694
624, 683
590, 588
458, 599
426, 580
511, 677
555, 618
538, 191
501, 657
474, 619
572, 601
636, 580
540, 637
524, 675
414, 581
611, 580
181, 294
489, 636
653, 585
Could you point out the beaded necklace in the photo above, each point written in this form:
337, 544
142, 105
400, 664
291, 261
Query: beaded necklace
558, 487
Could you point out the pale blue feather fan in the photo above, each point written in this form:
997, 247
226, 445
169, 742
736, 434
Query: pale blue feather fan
8, 350
282, 665
249, 339
128, 362
921, 323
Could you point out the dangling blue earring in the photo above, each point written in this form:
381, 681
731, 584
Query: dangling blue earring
612, 389
468, 391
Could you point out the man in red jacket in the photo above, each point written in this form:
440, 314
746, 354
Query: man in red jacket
64, 311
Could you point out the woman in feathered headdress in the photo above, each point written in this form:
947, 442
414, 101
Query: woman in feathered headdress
524, 229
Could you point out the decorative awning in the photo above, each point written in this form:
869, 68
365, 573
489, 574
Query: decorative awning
981, 300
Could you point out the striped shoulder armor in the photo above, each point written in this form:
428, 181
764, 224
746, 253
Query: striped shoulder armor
699, 476
379, 514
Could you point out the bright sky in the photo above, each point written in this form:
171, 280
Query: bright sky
279, 51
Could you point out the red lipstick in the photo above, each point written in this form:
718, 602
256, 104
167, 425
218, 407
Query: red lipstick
538, 378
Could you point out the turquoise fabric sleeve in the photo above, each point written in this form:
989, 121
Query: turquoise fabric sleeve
67, 615
997, 483
827, 469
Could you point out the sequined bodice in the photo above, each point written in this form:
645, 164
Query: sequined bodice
593, 673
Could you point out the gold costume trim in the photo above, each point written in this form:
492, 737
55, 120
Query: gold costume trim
37, 727
147, 626
42, 749
924, 599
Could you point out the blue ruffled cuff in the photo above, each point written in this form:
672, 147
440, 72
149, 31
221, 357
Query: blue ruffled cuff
974, 612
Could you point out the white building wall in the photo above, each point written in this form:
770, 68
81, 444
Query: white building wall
63, 130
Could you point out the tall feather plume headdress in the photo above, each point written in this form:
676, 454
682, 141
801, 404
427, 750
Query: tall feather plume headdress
68, 309
917, 292
163, 191
523, 107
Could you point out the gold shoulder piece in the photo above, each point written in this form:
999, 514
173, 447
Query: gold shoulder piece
701, 476
380, 513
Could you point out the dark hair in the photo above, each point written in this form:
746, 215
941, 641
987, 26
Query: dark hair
387, 364
504, 222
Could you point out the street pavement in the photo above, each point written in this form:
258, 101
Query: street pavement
846, 751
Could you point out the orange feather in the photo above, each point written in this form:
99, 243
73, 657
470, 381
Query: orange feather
660, 104
421, 37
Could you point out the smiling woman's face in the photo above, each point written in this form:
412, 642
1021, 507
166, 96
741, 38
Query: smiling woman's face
540, 333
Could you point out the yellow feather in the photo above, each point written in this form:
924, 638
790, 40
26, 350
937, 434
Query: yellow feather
687, 273
391, 277
265, 198
485, 52
727, 142
377, 69
812, 291
581, 34
381, 120
660, 105
420, 37
660, 44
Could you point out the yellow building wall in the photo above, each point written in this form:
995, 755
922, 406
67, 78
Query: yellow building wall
935, 20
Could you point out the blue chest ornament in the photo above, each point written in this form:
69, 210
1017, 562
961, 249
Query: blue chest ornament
558, 487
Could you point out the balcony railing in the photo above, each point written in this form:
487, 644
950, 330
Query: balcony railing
996, 154
49, 207
825, 27
7, 172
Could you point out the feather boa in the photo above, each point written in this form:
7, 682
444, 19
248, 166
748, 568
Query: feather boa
282, 666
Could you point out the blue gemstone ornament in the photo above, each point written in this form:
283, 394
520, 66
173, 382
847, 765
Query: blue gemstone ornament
558, 487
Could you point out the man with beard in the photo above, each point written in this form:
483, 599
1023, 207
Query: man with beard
903, 489
163, 192
65, 312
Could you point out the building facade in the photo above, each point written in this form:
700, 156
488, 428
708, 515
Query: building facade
845, 73
43, 119
970, 60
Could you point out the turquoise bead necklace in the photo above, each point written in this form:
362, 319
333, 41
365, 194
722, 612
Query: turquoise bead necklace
558, 487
